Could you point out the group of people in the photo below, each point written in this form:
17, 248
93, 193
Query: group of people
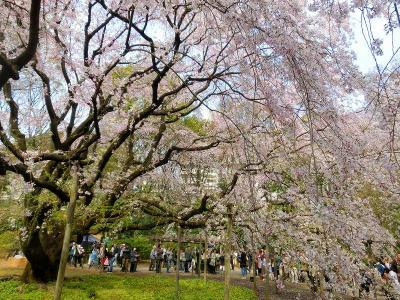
276, 267
190, 260
195, 260
76, 253
118, 255
389, 269
106, 258
162, 257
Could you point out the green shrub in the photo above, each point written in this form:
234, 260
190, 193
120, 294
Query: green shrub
142, 244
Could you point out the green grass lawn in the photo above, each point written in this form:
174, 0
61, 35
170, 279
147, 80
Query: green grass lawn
107, 286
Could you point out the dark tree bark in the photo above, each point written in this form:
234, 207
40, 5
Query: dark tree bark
41, 245
42, 262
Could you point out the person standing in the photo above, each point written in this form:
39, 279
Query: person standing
80, 255
169, 258
295, 269
71, 254
126, 259
134, 260
153, 258
231, 262
159, 258
74, 253
243, 264
222, 262
120, 255
94, 258
264, 264
277, 264
249, 262
259, 263
112, 256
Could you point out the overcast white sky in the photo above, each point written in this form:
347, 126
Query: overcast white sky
365, 59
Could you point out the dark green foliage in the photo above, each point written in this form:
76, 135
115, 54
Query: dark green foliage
142, 244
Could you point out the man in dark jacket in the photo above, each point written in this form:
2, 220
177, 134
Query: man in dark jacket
159, 258
243, 264
134, 260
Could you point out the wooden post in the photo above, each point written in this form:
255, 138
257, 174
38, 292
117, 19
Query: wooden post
276, 274
228, 251
191, 263
67, 234
254, 263
178, 261
205, 255
198, 262
266, 288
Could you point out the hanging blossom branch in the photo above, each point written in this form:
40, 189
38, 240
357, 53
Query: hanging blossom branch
12, 66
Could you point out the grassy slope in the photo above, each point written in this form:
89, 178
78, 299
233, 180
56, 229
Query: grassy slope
105, 286
7, 242
8, 238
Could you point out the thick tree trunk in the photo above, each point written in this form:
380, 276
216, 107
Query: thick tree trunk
228, 251
41, 243
42, 266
